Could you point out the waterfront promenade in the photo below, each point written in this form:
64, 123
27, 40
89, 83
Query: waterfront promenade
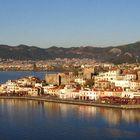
74, 102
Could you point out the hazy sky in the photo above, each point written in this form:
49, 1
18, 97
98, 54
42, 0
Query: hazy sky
67, 23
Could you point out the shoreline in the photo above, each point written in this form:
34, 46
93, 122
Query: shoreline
74, 102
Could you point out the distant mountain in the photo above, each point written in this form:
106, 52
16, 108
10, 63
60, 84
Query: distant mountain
120, 54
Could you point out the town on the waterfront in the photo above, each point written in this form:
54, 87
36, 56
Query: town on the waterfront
69, 69
57, 64
97, 83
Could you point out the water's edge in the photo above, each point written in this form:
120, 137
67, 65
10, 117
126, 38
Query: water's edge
74, 102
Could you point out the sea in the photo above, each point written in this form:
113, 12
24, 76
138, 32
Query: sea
13, 75
38, 120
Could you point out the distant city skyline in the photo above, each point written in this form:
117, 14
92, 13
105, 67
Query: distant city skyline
69, 23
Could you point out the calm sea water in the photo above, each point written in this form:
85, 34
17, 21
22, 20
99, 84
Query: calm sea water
11, 75
33, 120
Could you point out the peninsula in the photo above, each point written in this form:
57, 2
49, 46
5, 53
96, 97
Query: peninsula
101, 84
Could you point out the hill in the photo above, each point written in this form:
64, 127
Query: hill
120, 54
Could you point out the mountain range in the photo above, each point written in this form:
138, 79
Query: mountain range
129, 53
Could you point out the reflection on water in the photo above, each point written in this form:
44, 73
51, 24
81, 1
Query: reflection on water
64, 119
111, 115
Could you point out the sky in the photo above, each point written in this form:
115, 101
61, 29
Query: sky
69, 23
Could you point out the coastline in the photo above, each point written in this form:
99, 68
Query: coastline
74, 102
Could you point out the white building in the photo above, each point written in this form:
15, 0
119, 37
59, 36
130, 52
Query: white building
122, 83
130, 94
130, 76
135, 85
111, 75
45, 88
33, 91
38, 84
87, 94
66, 93
80, 81
11, 86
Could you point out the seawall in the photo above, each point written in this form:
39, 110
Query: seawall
74, 102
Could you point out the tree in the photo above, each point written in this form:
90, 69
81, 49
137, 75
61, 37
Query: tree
89, 82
